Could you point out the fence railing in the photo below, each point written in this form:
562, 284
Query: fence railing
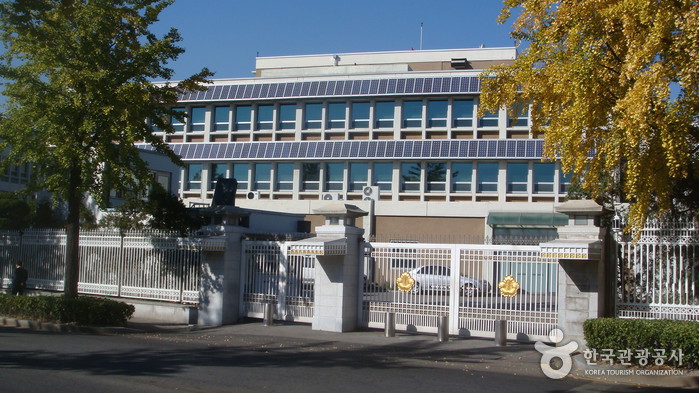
145, 265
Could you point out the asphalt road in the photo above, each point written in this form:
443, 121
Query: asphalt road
221, 360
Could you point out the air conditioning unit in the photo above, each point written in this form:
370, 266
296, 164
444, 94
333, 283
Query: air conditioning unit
331, 196
370, 193
253, 195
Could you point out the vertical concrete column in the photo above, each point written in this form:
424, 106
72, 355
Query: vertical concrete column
337, 269
581, 273
219, 295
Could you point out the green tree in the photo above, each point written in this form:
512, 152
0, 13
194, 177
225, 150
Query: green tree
78, 85
614, 87
15, 213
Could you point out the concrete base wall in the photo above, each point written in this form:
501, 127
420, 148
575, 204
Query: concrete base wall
164, 313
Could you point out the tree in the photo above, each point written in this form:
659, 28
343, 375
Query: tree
78, 85
614, 87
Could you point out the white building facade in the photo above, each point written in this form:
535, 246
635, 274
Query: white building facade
395, 133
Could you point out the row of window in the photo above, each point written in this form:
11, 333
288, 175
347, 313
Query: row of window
521, 177
433, 113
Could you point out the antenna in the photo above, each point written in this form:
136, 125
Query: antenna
421, 24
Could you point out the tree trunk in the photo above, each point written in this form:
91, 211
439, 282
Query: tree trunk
72, 272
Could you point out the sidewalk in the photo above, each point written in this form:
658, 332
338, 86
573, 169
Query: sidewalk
467, 354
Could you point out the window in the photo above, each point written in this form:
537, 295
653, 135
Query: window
198, 119
334, 176
461, 176
310, 176
265, 117
285, 177
383, 175
543, 177
358, 175
360, 115
517, 175
462, 113
217, 171
262, 176
564, 182
490, 119
336, 114
521, 115
436, 173
384, 114
222, 118
437, 113
287, 116
194, 176
313, 116
412, 114
410, 176
177, 125
240, 174
487, 177
243, 117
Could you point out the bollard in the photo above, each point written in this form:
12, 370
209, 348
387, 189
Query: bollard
500, 332
390, 325
268, 314
443, 328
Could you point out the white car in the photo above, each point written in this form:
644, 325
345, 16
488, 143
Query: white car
436, 277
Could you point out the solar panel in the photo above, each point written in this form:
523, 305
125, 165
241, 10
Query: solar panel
383, 86
303, 150
391, 89
371, 149
296, 90
373, 86
354, 149
294, 152
305, 87
264, 91
427, 85
365, 87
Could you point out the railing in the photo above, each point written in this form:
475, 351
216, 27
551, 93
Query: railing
144, 265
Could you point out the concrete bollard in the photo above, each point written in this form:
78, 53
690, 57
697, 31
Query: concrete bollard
268, 317
443, 328
501, 332
390, 325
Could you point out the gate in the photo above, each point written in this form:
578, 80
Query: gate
658, 275
270, 275
461, 281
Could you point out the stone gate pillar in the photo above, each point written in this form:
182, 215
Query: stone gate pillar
581, 281
219, 294
337, 267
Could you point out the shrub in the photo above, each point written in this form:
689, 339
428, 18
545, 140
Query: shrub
639, 334
83, 310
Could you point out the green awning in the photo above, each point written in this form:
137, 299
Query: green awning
516, 219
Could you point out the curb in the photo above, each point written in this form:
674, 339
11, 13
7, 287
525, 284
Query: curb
63, 327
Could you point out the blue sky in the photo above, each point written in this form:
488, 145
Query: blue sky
226, 35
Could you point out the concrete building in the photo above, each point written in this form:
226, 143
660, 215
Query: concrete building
396, 133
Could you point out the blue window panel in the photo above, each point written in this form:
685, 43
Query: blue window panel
313, 90
297, 90
374, 87
427, 85
303, 150
383, 86
371, 149
400, 86
295, 147
391, 86
330, 90
322, 88
256, 91
305, 88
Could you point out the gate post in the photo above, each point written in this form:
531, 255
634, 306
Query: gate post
219, 292
338, 253
581, 281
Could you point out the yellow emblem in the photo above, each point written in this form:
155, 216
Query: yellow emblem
405, 282
508, 286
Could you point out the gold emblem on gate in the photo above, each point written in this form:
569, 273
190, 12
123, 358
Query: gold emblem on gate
508, 286
405, 282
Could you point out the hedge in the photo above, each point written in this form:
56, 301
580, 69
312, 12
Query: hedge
83, 310
639, 334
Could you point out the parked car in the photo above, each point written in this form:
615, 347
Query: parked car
436, 277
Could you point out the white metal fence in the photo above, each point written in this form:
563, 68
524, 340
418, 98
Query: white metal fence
270, 275
145, 265
658, 276
461, 281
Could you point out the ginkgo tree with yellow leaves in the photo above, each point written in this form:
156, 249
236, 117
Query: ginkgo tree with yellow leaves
614, 88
